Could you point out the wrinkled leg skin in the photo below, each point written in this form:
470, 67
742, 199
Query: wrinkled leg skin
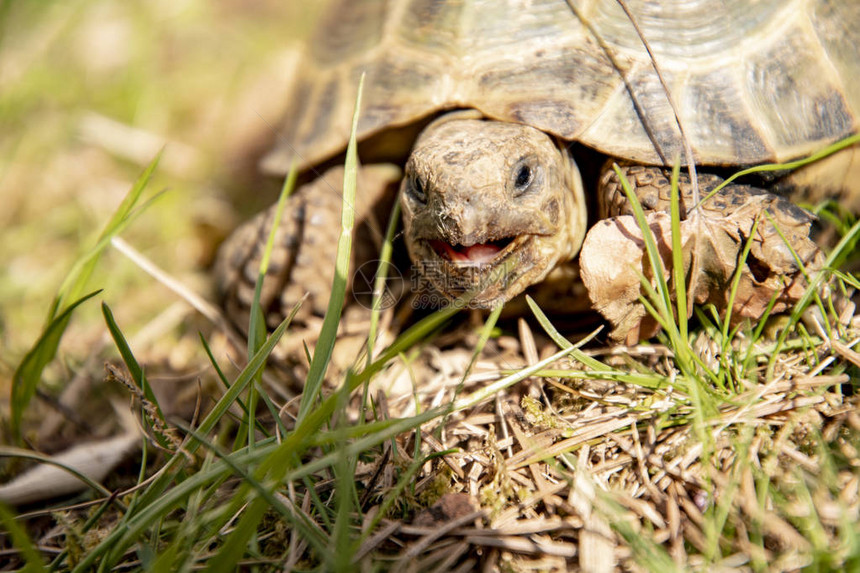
303, 258
712, 242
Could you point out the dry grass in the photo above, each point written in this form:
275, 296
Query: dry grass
578, 480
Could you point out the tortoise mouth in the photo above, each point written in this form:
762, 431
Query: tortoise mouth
477, 254
493, 271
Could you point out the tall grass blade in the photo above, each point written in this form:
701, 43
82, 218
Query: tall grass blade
310, 532
328, 332
844, 248
341, 547
309, 419
378, 291
155, 502
278, 467
839, 253
29, 373
789, 165
484, 336
137, 373
83, 268
663, 301
563, 342
257, 361
381, 277
678, 254
736, 281
257, 325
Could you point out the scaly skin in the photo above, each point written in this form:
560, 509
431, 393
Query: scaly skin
301, 268
491, 206
468, 170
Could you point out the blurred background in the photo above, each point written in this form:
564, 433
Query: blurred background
90, 91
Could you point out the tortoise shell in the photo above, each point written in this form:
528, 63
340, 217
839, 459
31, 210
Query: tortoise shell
752, 81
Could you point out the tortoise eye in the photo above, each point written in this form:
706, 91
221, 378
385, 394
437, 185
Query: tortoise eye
523, 176
415, 188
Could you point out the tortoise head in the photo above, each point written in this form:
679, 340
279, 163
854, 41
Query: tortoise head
490, 207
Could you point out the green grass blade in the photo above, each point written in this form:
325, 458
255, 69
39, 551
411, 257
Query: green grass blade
341, 549
29, 373
157, 488
484, 336
394, 495
652, 381
393, 428
256, 362
423, 329
844, 248
663, 301
381, 277
647, 553
851, 280
645, 301
563, 342
797, 260
309, 532
660, 296
814, 283
171, 559
237, 541
328, 332
257, 325
21, 541
678, 254
736, 281
137, 373
223, 379
378, 290
81, 271
791, 165
699, 392
660, 306
153, 508
414, 335
277, 467
478, 396
218, 372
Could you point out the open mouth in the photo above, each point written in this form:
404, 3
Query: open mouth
481, 253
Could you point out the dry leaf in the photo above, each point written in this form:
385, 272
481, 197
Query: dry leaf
613, 256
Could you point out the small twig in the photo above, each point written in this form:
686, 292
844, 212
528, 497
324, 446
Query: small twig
201, 305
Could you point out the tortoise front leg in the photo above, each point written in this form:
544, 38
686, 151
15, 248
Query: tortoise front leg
303, 259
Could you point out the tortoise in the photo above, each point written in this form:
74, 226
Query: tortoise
475, 111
